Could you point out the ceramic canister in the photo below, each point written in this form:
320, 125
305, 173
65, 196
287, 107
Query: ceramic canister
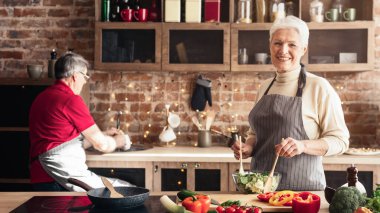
212, 10
172, 10
193, 11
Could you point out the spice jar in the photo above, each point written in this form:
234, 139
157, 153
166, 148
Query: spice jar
244, 11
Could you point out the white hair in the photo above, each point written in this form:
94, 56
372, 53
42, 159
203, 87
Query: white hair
293, 23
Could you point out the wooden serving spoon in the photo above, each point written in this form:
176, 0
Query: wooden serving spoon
108, 185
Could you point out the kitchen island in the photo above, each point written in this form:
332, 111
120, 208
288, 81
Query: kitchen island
155, 159
11, 200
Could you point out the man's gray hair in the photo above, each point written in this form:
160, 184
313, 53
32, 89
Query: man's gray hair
69, 64
291, 22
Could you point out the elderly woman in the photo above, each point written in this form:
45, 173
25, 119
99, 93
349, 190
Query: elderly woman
297, 115
61, 127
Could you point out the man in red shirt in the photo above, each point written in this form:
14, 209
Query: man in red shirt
61, 127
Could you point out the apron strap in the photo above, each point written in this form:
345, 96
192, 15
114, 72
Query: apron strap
270, 85
301, 81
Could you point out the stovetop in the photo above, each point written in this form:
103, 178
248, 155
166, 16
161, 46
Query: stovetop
50, 204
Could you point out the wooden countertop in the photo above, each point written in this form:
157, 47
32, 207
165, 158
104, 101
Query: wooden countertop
209, 154
11, 200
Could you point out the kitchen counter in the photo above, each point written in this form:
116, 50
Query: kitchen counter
209, 154
11, 200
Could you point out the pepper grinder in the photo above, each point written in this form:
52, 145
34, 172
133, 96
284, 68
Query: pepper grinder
53, 59
352, 179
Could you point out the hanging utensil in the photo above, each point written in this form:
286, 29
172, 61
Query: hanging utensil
268, 183
241, 169
108, 185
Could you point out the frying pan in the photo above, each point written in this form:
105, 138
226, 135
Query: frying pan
100, 197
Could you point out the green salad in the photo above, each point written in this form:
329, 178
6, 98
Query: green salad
253, 182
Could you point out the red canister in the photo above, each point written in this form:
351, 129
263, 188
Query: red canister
212, 10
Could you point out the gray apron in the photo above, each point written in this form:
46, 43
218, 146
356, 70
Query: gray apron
69, 160
275, 117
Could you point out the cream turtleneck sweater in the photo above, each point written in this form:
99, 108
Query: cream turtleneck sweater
322, 112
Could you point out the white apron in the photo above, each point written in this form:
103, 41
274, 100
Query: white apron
69, 160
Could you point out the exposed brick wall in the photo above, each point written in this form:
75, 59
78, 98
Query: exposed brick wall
31, 28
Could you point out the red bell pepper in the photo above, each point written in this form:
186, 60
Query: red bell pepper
197, 204
265, 196
306, 202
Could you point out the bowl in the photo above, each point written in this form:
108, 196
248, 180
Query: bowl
253, 182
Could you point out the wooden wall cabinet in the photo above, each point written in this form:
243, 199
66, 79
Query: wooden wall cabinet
333, 46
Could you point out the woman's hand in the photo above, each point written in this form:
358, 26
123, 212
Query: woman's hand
246, 150
290, 147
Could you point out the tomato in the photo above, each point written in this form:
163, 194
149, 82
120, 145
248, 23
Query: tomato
257, 210
265, 196
239, 210
230, 210
220, 209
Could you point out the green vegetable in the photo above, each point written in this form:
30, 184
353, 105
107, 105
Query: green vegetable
184, 193
231, 202
346, 200
172, 207
374, 203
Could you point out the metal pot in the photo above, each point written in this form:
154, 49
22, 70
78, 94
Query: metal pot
100, 197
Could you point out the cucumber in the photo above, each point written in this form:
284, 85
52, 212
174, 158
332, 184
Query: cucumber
184, 193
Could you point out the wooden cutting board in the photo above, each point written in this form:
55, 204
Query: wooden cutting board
250, 199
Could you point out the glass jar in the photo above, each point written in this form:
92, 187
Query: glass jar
277, 10
262, 12
316, 11
338, 4
244, 11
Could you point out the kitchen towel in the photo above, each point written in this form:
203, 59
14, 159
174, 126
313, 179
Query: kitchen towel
201, 94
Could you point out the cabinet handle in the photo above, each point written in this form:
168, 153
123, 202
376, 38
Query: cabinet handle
197, 165
155, 169
184, 165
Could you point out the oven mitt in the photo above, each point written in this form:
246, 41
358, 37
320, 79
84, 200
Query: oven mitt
201, 95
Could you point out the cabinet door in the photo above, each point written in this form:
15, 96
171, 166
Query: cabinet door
174, 176
255, 39
127, 46
196, 46
170, 176
328, 51
138, 173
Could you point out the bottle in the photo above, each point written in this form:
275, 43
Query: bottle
352, 179
338, 5
105, 10
243, 56
316, 11
53, 59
